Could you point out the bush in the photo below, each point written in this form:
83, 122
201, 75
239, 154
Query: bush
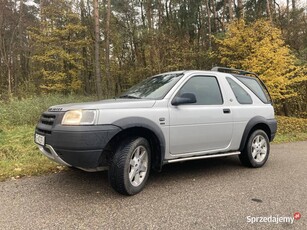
291, 125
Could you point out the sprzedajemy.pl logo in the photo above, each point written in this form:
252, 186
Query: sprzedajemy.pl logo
273, 219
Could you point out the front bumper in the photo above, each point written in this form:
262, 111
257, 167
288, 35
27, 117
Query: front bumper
77, 146
49, 152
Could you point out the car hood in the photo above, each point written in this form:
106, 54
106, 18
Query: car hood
105, 104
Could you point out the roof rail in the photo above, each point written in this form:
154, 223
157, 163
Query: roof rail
241, 72
234, 71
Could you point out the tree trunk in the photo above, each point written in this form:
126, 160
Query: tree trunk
150, 33
293, 5
287, 10
9, 80
86, 72
285, 109
268, 9
42, 14
240, 9
22, 75
224, 11
97, 57
230, 6
214, 16
209, 25
107, 39
142, 15
160, 13
170, 9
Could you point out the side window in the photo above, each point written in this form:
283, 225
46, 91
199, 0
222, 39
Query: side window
255, 87
205, 88
242, 96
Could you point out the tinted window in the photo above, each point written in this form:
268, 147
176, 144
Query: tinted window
255, 87
242, 96
206, 90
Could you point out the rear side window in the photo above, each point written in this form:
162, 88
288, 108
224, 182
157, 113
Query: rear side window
205, 88
254, 85
242, 96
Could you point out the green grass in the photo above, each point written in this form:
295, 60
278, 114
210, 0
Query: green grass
290, 137
291, 129
19, 156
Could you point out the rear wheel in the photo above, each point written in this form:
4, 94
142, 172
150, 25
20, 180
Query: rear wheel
256, 150
130, 166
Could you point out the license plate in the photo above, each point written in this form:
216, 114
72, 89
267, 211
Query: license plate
39, 139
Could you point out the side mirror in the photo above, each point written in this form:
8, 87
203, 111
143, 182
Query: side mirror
185, 98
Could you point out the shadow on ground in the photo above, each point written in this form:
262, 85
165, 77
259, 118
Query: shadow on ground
77, 181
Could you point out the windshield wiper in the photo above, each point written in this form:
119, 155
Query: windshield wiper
129, 96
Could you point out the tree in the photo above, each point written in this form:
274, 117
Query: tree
107, 40
57, 58
258, 47
268, 9
15, 19
240, 9
97, 55
230, 9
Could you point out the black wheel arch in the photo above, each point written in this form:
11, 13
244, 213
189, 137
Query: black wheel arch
269, 126
139, 126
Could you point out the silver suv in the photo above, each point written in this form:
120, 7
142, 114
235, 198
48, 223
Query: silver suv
170, 117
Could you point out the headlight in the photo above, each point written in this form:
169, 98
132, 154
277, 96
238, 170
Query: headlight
79, 117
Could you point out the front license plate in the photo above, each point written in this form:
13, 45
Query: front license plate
39, 139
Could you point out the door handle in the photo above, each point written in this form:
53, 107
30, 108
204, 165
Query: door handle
226, 110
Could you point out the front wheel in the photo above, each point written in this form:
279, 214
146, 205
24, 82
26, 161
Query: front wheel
130, 166
256, 150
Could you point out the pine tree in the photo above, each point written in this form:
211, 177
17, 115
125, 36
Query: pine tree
58, 48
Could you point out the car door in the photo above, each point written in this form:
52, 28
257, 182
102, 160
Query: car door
202, 126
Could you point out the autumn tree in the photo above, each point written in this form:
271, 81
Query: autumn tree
258, 47
58, 48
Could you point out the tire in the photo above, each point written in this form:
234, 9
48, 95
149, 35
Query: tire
256, 150
130, 166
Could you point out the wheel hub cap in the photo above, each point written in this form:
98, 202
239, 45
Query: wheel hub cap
259, 148
138, 166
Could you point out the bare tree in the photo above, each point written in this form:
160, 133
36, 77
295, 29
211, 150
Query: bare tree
8, 39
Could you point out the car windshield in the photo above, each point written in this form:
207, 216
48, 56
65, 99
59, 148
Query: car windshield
153, 88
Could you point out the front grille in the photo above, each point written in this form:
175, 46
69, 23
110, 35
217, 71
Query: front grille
47, 121
43, 131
